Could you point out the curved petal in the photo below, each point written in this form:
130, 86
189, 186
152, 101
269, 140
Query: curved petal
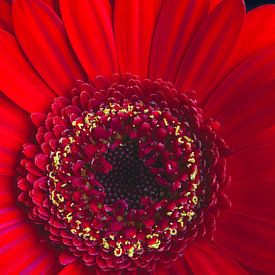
252, 81
253, 198
54, 5
181, 267
75, 268
15, 128
255, 36
258, 26
178, 267
17, 236
9, 148
211, 47
89, 27
249, 240
134, 23
42, 36
205, 258
174, 30
5, 16
7, 187
214, 3
14, 122
255, 160
18, 81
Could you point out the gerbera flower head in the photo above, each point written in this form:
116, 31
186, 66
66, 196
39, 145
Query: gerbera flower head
124, 171
125, 131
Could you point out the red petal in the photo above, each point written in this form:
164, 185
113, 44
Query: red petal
18, 80
255, 161
180, 267
53, 4
17, 236
89, 27
253, 198
7, 195
258, 26
9, 148
174, 30
253, 81
36, 261
49, 53
5, 16
255, 36
211, 46
134, 23
249, 240
76, 268
14, 130
207, 259
15, 123
65, 258
214, 3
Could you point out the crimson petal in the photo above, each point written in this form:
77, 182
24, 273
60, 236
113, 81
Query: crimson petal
211, 46
134, 23
18, 80
46, 44
89, 27
174, 31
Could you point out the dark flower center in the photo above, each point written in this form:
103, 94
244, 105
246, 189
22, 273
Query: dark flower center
125, 171
129, 179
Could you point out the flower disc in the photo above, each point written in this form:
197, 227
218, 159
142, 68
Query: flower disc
124, 173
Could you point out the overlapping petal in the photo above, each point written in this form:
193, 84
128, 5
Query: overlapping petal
89, 27
174, 31
211, 47
18, 81
134, 24
46, 44
5, 16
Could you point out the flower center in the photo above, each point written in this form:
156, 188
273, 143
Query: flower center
124, 170
129, 179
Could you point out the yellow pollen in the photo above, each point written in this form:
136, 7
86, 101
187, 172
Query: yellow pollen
191, 160
180, 140
86, 235
188, 139
87, 229
118, 252
112, 237
69, 217
67, 148
155, 245
177, 130
195, 199
56, 158
173, 231
131, 252
193, 175
60, 197
165, 122
180, 220
105, 243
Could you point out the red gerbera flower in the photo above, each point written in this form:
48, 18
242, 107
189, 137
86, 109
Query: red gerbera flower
121, 126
